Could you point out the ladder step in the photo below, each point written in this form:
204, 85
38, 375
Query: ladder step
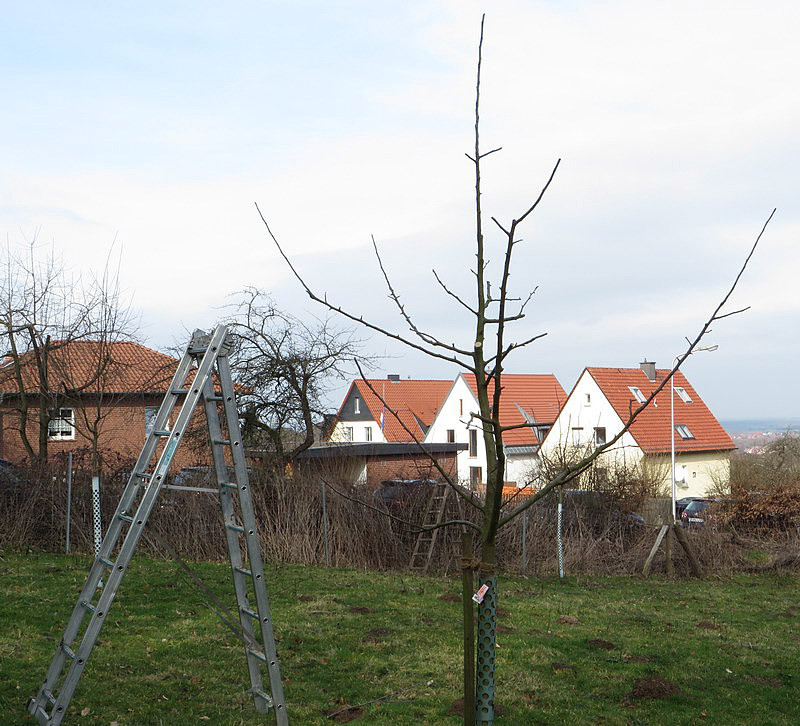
163, 432
108, 563
179, 391
124, 517
215, 398
229, 485
142, 475
49, 696
257, 654
235, 528
247, 611
88, 606
243, 571
261, 694
68, 651
220, 442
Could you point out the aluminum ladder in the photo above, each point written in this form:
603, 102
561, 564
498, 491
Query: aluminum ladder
204, 362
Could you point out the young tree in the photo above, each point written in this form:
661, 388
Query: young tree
485, 355
285, 367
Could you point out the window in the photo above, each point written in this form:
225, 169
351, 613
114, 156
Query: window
149, 419
588, 401
348, 433
637, 394
685, 397
61, 426
577, 432
451, 436
599, 435
460, 406
473, 442
357, 405
368, 433
684, 431
475, 476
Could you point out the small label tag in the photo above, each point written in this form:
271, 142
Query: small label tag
478, 596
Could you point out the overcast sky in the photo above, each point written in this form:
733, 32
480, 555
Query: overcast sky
159, 125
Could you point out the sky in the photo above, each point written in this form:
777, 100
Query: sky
152, 129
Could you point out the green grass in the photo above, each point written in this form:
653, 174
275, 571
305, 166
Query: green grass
349, 637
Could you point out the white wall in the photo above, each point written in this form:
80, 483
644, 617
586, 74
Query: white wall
338, 435
454, 414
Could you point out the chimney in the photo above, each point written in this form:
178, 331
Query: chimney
649, 369
393, 377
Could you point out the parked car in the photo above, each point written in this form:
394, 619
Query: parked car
697, 512
681, 504
402, 494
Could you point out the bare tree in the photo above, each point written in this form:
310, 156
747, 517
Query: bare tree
493, 311
285, 367
44, 308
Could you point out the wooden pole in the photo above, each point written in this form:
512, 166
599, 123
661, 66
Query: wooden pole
668, 553
694, 563
648, 563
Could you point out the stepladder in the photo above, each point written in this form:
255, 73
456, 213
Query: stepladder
202, 377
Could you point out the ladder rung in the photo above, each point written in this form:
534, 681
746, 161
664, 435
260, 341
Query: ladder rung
190, 489
48, 695
196, 351
124, 517
88, 606
235, 528
215, 398
247, 611
68, 651
179, 391
261, 694
229, 485
243, 571
106, 562
257, 654
163, 432
220, 442
142, 475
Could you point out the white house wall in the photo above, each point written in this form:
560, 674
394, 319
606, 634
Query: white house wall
339, 433
455, 414
578, 419
698, 474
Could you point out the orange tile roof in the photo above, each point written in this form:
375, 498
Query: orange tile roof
414, 402
540, 395
131, 368
651, 430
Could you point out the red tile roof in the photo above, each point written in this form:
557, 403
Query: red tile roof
130, 368
539, 395
651, 430
414, 402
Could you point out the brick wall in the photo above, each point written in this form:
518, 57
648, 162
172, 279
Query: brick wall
409, 466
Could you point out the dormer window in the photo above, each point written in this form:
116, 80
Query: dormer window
685, 397
637, 394
684, 432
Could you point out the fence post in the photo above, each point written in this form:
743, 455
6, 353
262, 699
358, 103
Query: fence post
524, 563
559, 532
325, 527
69, 501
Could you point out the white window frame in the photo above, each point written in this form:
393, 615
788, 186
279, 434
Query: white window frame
473, 443
685, 397
357, 405
368, 433
451, 436
588, 400
597, 441
475, 475
577, 435
637, 393
348, 433
62, 426
684, 432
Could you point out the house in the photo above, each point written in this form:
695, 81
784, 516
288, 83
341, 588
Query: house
99, 396
388, 410
529, 401
603, 398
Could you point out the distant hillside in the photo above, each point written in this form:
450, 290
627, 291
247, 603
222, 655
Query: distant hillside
762, 425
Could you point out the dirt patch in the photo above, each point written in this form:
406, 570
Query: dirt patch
708, 625
450, 597
772, 682
604, 644
376, 635
305, 598
502, 613
569, 620
505, 629
360, 610
344, 714
653, 687
633, 658
563, 667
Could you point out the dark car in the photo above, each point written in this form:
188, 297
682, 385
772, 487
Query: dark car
402, 494
681, 504
697, 512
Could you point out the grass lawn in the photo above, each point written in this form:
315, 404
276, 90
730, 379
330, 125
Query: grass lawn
590, 650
